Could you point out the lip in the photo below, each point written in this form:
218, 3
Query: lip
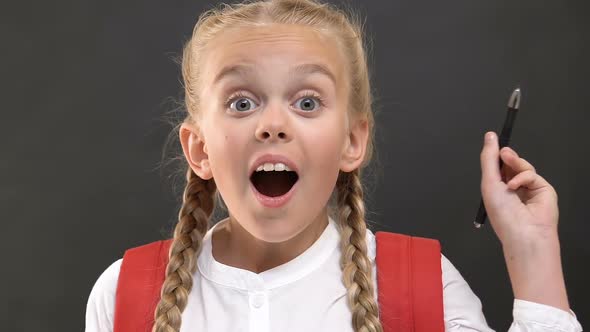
272, 158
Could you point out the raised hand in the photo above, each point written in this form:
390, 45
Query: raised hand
519, 202
522, 208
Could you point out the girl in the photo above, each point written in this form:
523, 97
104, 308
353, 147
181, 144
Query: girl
279, 125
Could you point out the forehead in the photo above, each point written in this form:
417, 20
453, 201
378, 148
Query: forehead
273, 47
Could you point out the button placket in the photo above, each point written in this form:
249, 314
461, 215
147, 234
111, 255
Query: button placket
259, 311
257, 299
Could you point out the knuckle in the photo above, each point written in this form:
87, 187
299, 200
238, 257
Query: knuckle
483, 155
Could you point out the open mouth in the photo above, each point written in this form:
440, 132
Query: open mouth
274, 183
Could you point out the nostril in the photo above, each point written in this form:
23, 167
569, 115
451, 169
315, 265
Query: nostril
266, 135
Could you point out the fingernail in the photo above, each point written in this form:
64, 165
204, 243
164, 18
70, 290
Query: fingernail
490, 137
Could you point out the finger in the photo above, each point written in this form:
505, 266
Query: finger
517, 164
506, 170
528, 179
489, 158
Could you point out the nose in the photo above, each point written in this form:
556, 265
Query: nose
273, 125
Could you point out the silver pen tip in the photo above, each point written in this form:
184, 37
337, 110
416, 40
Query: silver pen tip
514, 101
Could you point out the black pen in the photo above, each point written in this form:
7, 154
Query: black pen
513, 104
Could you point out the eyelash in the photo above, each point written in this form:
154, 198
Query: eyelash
240, 94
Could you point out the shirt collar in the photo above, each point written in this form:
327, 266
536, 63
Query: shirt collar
293, 270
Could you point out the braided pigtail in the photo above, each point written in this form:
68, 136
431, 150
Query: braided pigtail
193, 223
356, 266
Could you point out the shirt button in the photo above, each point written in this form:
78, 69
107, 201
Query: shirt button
257, 300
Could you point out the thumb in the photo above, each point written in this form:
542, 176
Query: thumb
489, 158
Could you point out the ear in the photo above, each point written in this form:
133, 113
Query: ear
195, 151
355, 146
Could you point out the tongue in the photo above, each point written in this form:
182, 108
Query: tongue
274, 183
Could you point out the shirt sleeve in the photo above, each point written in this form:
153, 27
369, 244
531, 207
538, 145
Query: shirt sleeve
101, 301
463, 309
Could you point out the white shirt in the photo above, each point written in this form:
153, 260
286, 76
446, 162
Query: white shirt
306, 294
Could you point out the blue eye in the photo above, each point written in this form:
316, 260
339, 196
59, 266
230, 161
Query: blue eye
307, 103
242, 104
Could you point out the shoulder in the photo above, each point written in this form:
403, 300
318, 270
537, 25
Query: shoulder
456, 290
101, 301
462, 308
449, 273
100, 307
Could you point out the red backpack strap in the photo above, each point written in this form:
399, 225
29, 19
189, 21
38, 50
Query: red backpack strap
409, 283
138, 289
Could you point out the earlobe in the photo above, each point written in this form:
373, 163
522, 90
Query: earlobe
355, 147
195, 151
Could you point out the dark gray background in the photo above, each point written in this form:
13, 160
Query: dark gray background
88, 86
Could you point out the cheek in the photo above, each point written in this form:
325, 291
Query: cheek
323, 153
225, 152
325, 147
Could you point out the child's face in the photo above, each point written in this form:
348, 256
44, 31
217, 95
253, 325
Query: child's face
273, 118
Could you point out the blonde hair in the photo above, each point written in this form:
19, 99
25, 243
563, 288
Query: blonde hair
201, 196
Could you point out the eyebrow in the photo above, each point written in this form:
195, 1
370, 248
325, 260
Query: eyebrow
302, 69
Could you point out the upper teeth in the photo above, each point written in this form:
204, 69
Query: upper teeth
273, 167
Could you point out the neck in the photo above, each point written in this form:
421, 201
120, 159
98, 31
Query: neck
234, 246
